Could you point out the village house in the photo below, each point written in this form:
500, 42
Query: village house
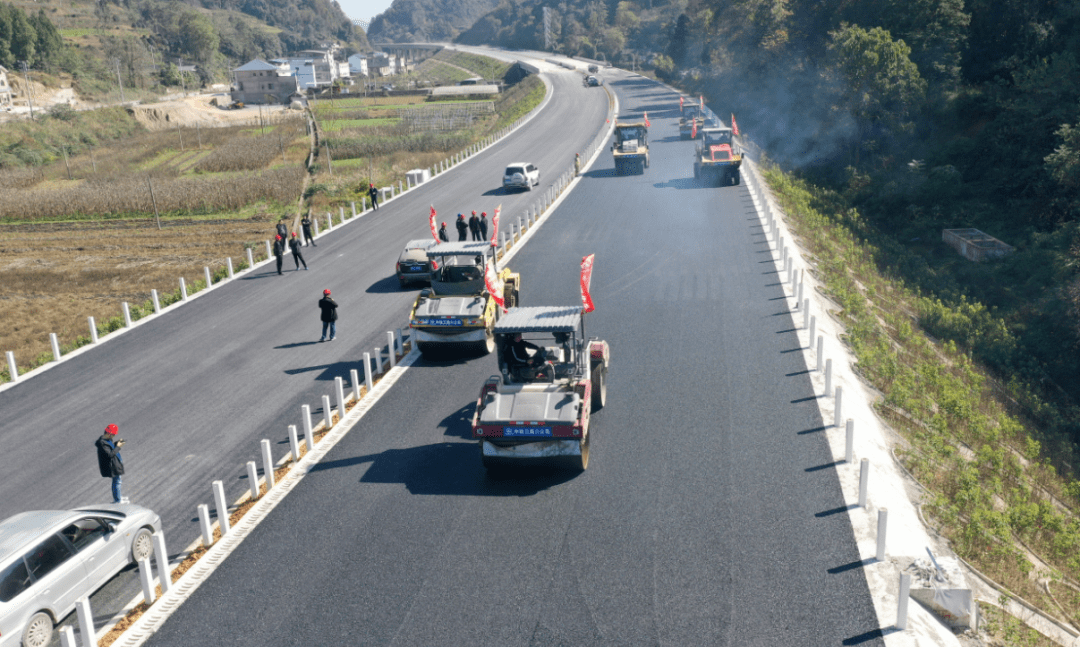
5, 90
260, 82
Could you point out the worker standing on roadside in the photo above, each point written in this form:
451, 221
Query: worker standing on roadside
483, 226
443, 236
109, 462
329, 315
474, 226
283, 229
462, 227
374, 193
305, 224
279, 252
296, 255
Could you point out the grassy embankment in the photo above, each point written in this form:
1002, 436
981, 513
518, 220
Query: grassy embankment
968, 436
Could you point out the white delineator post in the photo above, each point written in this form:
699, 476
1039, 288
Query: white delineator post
820, 350
367, 372
849, 441
268, 463
146, 577
309, 435
352, 205
183, 289
329, 222
253, 479
328, 412
882, 525
354, 379
339, 391
88, 636
127, 314
55, 346
378, 361
839, 404
341, 212
828, 377
13, 369
222, 507
250, 258
93, 330
269, 250
209, 277
229, 267
67, 637
400, 341
205, 526
161, 556
390, 347
294, 443
902, 601
864, 476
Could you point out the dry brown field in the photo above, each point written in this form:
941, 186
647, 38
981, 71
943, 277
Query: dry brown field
79, 247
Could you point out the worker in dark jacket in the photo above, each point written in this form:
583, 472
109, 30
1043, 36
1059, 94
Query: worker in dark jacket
443, 236
283, 229
297, 257
109, 462
374, 193
474, 226
483, 226
279, 252
462, 227
305, 224
329, 315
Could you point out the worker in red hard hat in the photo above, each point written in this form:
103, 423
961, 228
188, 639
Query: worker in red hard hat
474, 226
443, 236
294, 245
279, 251
110, 464
374, 193
483, 226
329, 315
462, 227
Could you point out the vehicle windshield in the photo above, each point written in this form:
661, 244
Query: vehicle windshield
510, 170
718, 137
543, 357
629, 133
458, 275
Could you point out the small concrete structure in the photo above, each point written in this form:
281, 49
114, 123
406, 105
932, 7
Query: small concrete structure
6, 101
976, 246
418, 176
939, 585
463, 90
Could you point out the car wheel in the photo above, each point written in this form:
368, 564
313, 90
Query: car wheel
142, 546
599, 387
528, 185
736, 178
580, 462
39, 630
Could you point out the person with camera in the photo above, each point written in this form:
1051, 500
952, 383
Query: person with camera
109, 462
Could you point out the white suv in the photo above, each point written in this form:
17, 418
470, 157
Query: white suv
521, 175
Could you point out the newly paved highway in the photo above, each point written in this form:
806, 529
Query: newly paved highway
195, 390
710, 513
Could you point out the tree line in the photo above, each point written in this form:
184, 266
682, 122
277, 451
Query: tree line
26, 38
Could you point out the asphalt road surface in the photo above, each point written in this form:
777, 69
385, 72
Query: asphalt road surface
195, 390
710, 513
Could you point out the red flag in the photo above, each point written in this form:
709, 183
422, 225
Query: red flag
734, 126
693, 130
431, 221
680, 101
494, 285
495, 226
586, 281
647, 124
701, 98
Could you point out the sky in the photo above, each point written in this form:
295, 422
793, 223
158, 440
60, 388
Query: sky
364, 9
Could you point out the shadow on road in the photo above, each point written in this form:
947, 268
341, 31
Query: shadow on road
680, 183
295, 345
452, 468
385, 286
329, 371
459, 423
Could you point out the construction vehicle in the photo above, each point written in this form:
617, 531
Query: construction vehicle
691, 115
631, 147
457, 313
539, 412
718, 157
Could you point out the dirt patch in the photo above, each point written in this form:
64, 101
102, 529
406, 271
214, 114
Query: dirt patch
189, 111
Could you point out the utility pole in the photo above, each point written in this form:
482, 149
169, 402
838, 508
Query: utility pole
118, 80
26, 77
181, 67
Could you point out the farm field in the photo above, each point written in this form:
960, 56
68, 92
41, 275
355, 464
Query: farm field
80, 236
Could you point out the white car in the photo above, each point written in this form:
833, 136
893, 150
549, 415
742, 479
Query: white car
521, 175
51, 558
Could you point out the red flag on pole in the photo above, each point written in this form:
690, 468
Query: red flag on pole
647, 124
495, 226
693, 130
586, 281
431, 222
701, 98
734, 126
494, 285
680, 101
